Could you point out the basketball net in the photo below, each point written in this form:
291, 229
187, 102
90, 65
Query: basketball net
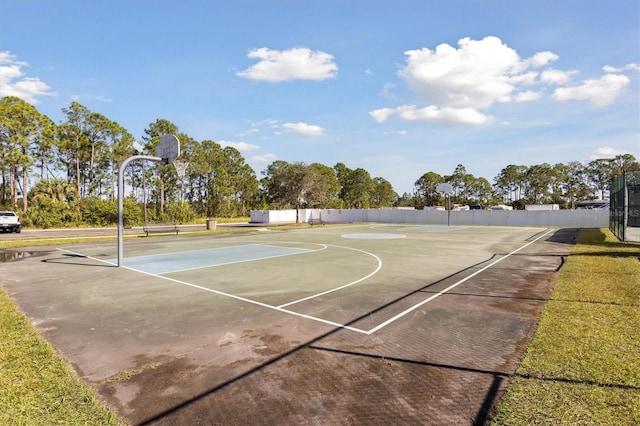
181, 167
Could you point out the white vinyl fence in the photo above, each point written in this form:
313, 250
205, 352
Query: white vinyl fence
572, 218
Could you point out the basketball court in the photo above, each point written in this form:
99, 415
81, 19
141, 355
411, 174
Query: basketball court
358, 324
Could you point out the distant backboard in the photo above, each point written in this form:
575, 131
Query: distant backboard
445, 188
168, 149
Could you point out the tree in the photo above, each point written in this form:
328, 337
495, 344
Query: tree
284, 184
203, 175
625, 162
121, 147
322, 187
164, 174
511, 182
408, 200
599, 173
382, 194
73, 142
425, 189
539, 178
241, 184
457, 180
573, 182
356, 186
43, 150
22, 128
480, 191
558, 178
53, 203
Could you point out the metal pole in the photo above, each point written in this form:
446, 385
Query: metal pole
121, 197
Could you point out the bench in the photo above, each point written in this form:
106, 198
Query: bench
160, 228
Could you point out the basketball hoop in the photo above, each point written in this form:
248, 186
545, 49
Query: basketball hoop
181, 167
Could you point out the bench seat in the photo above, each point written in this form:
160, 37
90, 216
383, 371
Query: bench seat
161, 228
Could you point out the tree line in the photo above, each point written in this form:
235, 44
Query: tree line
65, 173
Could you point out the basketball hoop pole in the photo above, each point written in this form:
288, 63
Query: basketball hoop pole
121, 197
446, 189
167, 151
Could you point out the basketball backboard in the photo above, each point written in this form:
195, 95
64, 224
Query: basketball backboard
445, 188
168, 149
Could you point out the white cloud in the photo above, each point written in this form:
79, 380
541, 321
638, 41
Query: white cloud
528, 78
552, 76
610, 69
81, 97
266, 158
542, 58
600, 92
445, 116
475, 75
432, 114
605, 152
249, 132
457, 84
270, 122
14, 83
303, 129
240, 146
298, 63
527, 96
387, 91
380, 115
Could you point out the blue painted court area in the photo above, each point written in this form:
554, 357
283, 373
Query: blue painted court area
184, 261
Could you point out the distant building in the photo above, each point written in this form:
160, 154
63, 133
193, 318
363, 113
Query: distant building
541, 207
592, 204
459, 208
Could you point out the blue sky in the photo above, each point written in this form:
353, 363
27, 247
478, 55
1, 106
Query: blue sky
398, 88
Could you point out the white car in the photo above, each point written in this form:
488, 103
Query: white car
9, 221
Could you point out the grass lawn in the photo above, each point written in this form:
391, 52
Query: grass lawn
36, 386
583, 365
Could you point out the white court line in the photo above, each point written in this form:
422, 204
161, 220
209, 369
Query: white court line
221, 293
440, 293
343, 286
255, 302
346, 327
85, 256
254, 259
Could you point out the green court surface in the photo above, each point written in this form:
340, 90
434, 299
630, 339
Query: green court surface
375, 323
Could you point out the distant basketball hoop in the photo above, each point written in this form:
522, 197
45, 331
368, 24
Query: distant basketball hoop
446, 189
